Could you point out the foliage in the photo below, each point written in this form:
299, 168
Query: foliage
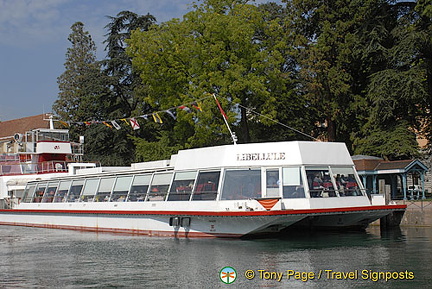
223, 47
156, 150
397, 141
118, 65
353, 71
82, 84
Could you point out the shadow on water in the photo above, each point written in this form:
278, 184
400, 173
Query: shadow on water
332, 239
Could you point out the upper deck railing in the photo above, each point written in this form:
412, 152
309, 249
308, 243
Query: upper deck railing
22, 168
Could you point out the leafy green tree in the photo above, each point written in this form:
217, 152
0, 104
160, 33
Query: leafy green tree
228, 48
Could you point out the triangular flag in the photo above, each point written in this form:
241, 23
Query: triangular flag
268, 204
64, 123
185, 108
196, 106
107, 124
157, 118
125, 121
171, 114
220, 108
134, 123
116, 125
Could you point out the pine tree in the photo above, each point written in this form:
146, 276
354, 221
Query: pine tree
81, 85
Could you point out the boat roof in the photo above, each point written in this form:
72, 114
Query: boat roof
265, 154
295, 153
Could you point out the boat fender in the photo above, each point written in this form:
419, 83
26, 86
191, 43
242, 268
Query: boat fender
174, 221
185, 222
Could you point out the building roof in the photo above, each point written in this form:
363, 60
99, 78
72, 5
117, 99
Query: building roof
21, 125
391, 165
376, 165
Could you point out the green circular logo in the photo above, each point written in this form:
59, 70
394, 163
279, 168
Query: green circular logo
227, 275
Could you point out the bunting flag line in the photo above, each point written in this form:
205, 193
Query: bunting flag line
173, 113
134, 123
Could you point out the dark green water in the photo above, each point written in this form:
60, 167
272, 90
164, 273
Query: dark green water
44, 258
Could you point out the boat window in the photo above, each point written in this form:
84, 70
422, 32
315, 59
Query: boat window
62, 191
75, 190
28, 193
241, 184
206, 186
121, 188
181, 188
89, 189
104, 191
50, 192
139, 188
292, 183
159, 187
40, 189
346, 182
272, 183
320, 183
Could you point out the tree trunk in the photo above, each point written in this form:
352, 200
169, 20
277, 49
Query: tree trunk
244, 127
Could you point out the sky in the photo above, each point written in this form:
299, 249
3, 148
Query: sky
33, 44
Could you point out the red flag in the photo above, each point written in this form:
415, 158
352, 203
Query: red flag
220, 108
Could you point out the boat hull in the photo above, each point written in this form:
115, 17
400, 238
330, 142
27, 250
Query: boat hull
191, 224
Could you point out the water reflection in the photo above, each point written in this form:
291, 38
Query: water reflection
45, 258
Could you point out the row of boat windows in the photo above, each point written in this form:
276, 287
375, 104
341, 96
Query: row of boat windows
237, 184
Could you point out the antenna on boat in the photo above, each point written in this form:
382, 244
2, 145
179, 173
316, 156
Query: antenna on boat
50, 118
225, 117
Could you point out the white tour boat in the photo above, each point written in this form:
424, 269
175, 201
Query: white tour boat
235, 190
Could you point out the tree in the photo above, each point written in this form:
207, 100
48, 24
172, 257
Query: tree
399, 90
82, 85
118, 65
326, 38
226, 48
84, 91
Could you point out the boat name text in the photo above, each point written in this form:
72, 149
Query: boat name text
261, 157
